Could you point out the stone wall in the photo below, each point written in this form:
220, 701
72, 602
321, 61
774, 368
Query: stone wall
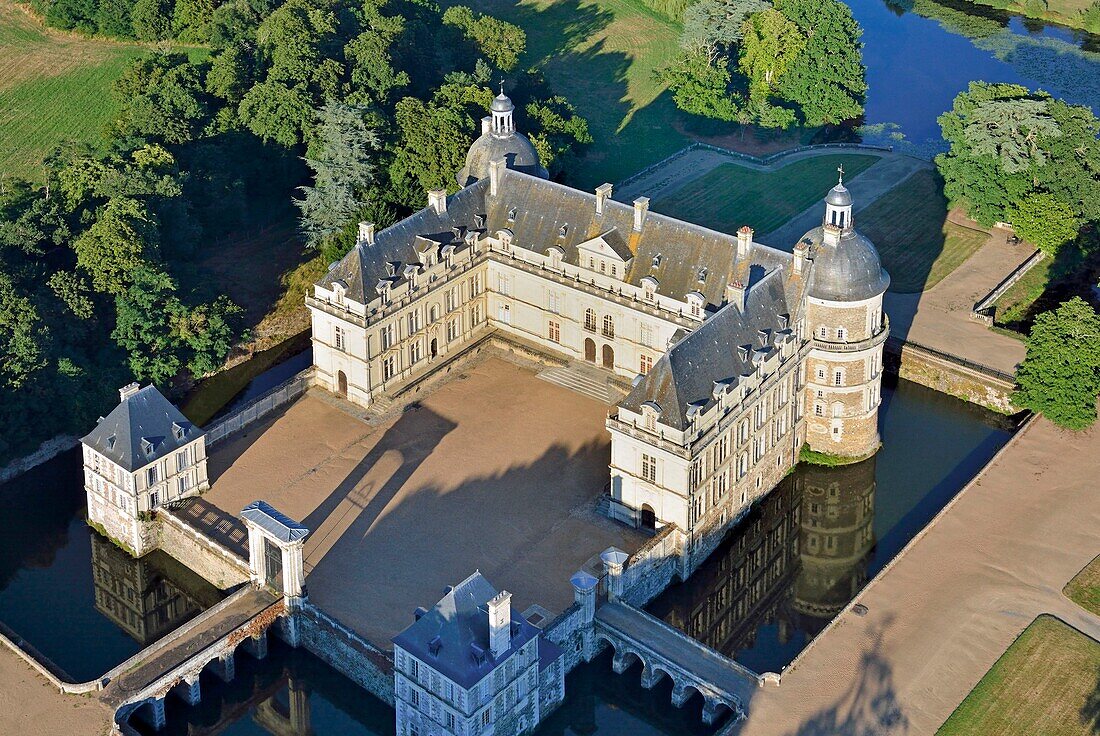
344, 651
208, 559
650, 570
920, 365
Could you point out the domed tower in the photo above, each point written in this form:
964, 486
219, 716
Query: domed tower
499, 139
848, 328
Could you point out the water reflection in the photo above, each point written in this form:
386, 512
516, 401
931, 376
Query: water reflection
148, 597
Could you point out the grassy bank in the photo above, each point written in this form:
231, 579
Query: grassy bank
917, 243
1084, 589
1044, 684
54, 87
1063, 12
733, 195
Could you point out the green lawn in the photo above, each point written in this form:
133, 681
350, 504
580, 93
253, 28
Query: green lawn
1084, 589
1046, 683
909, 227
733, 195
602, 55
54, 87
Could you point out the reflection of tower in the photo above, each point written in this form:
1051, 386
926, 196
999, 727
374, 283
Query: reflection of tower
286, 713
838, 512
149, 596
745, 582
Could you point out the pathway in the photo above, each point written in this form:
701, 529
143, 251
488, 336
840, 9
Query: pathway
954, 600
29, 706
940, 317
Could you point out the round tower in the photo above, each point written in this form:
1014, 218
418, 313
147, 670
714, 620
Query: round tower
847, 326
500, 139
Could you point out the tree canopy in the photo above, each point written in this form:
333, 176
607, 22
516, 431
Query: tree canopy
1060, 377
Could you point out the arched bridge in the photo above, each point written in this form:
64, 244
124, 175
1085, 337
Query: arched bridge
666, 652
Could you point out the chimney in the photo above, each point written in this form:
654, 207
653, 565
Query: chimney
366, 233
736, 292
603, 193
496, 173
500, 623
437, 200
744, 243
641, 206
800, 251
127, 391
831, 235
486, 125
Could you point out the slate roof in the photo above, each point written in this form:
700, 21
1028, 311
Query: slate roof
723, 349
279, 525
448, 637
515, 148
142, 429
848, 272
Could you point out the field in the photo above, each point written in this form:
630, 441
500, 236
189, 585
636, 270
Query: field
602, 55
1084, 589
917, 244
54, 87
1046, 683
1065, 12
733, 195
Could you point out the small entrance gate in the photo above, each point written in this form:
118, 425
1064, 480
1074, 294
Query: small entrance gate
275, 544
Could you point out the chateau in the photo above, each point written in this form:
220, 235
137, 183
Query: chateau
736, 353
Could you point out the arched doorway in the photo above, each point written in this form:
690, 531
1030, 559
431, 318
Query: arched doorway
341, 384
608, 357
649, 518
434, 348
590, 350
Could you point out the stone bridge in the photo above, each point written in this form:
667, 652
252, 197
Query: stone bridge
665, 652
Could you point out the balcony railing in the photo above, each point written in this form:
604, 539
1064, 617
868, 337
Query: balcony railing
853, 347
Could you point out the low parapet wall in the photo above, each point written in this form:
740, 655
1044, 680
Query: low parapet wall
950, 375
205, 557
345, 651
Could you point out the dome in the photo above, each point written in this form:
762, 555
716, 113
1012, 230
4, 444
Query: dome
839, 196
502, 103
849, 271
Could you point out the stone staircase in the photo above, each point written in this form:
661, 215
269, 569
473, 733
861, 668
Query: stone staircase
591, 382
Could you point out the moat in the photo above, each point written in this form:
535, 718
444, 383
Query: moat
933, 444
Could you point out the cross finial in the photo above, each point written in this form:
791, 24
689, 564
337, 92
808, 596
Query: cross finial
502, 87
841, 170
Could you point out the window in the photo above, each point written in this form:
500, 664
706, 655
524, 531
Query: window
415, 352
487, 717
389, 367
650, 419
590, 320
414, 321
649, 468
452, 330
838, 378
414, 697
608, 326
823, 332
154, 500
553, 301
183, 459
504, 285
338, 337
414, 669
554, 331
476, 317
591, 263
386, 336
183, 483
433, 315
450, 721
450, 299
475, 285
153, 475
821, 373
841, 334
645, 364
504, 314
695, 308
645, 334
819, 410
603, 266
648, 292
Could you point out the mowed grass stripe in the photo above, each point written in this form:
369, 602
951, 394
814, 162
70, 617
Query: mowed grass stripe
917, 244
733, 195
1043, 684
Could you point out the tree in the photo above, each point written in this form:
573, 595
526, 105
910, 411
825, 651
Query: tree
501, 42
123, 236
700, 87
556, 131
1041, 219
73, 291
434, 141
191, 20
1010, 131
343, 157
1060, 376
826, 80
113, 18
771, 43
275, 112
373, 75
714, 26
21, 353
162, 97
152, 19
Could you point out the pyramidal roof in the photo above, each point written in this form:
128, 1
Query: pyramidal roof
142, 429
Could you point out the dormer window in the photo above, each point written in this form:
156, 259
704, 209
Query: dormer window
505, 237
657, 260
649, 288
512, 214
338, 290
479, 221
562, 231
179, 430
702, 276
650, 410
695, 304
